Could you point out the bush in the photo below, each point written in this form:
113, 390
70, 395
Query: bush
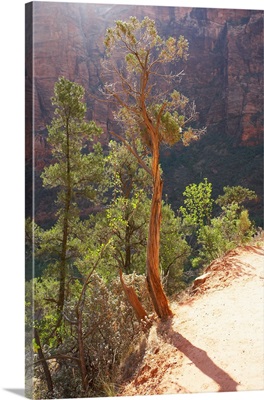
231, 229
109, 330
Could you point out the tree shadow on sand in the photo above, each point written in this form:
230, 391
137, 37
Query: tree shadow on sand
198, 357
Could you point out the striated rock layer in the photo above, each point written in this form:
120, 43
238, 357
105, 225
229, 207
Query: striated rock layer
223, 75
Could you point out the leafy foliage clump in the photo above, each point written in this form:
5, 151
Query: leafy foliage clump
215, 236
198, 204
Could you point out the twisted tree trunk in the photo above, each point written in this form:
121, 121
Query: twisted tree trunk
159, 299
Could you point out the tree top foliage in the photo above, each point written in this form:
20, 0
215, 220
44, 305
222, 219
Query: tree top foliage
140, 38
141, 66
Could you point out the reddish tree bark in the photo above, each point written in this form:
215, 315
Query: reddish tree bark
159, 299
133, 299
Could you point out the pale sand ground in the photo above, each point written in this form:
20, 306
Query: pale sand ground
215, 341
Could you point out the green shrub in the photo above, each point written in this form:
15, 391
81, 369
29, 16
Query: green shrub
224, 233
109, 330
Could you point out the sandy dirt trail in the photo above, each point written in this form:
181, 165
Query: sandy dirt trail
215, 341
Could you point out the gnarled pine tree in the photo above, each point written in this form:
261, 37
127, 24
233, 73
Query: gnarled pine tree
141, 67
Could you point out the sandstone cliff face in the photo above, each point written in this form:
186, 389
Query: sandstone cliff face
245, 78
225, 70
224, 73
